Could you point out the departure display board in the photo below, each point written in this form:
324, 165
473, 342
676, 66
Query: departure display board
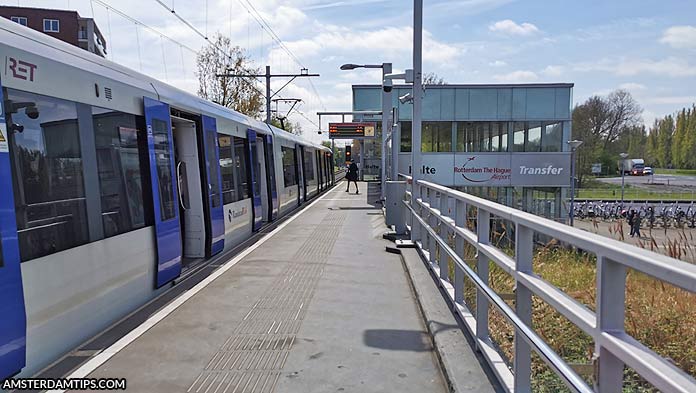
351, 130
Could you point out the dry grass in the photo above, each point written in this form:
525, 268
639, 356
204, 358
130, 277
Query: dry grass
660, 316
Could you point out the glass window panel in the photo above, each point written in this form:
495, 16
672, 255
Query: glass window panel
308, 165
534, 137
226, 168
552, 138
47, 165
518, 141
444, 134
461, 137
405, 136
211, 146
427, 138
160, 132
241, 174
122, 166
289, 172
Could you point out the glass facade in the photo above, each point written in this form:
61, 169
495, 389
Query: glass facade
436, 137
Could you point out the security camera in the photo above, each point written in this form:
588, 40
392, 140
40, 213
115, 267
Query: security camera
32, 112
387, 85
406, 98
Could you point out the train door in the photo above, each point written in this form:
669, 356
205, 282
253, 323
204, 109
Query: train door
303, 170
13, 328
262, 171
164, 190
271, 179
254, 167
189, 185
320, 169
215, 242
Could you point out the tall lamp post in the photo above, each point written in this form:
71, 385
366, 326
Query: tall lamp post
386, 106
623, 176
574, 144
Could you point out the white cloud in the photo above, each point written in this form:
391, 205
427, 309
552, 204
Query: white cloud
553, 70
671, 67
680, 37
632, 86
517, 77
510, 27
497, 63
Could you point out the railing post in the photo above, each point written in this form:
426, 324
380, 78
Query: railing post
432, 222
416, 232
444, 234
611, 302
460, 221
524, 254
425, 215
483, 222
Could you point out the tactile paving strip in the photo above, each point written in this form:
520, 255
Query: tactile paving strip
252, 358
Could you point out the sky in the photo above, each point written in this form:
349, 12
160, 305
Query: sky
645, 47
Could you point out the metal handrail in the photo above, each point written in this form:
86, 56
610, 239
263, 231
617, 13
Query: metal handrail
613, 347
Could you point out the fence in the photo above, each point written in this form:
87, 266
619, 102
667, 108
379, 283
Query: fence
440, 213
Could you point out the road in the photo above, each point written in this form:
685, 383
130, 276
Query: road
654, 181
656, 240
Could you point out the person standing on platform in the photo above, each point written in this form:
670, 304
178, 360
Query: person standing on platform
352, 176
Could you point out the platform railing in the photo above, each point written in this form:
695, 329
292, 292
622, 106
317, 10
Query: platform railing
441, 214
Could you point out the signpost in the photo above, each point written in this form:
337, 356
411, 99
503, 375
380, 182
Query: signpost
351, 130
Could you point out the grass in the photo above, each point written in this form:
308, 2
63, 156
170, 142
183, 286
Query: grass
631, 193
660, 316
684, 172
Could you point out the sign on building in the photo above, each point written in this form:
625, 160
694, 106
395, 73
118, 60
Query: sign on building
493, 169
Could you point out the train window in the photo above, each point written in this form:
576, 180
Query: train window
235, 185
226, 168
308, 166
211, 145
167, 206
289, 167
47, 166
122, 166
240, 168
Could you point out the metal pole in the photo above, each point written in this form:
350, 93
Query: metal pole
622, 183
572, 186
396, 147
386, 104
416, 159
268, 94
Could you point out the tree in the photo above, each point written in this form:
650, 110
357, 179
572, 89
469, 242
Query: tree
240, 94
431, 78
600, 122
284, 124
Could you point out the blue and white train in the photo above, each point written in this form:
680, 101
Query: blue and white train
113, 183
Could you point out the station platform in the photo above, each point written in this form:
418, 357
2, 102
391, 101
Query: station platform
315, 306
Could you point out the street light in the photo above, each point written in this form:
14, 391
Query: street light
623, 172
574, 144
386, 106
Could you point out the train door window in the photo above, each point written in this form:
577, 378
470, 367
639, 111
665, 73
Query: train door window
122, 167
168, 203
211, 146
47, 166
308, 167
289, 171
241, 175
227, 168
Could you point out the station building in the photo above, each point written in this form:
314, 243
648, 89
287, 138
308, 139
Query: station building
506, 143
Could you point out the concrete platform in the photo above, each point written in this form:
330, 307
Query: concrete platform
318, 307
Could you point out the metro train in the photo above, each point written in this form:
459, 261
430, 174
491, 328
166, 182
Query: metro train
113, 183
